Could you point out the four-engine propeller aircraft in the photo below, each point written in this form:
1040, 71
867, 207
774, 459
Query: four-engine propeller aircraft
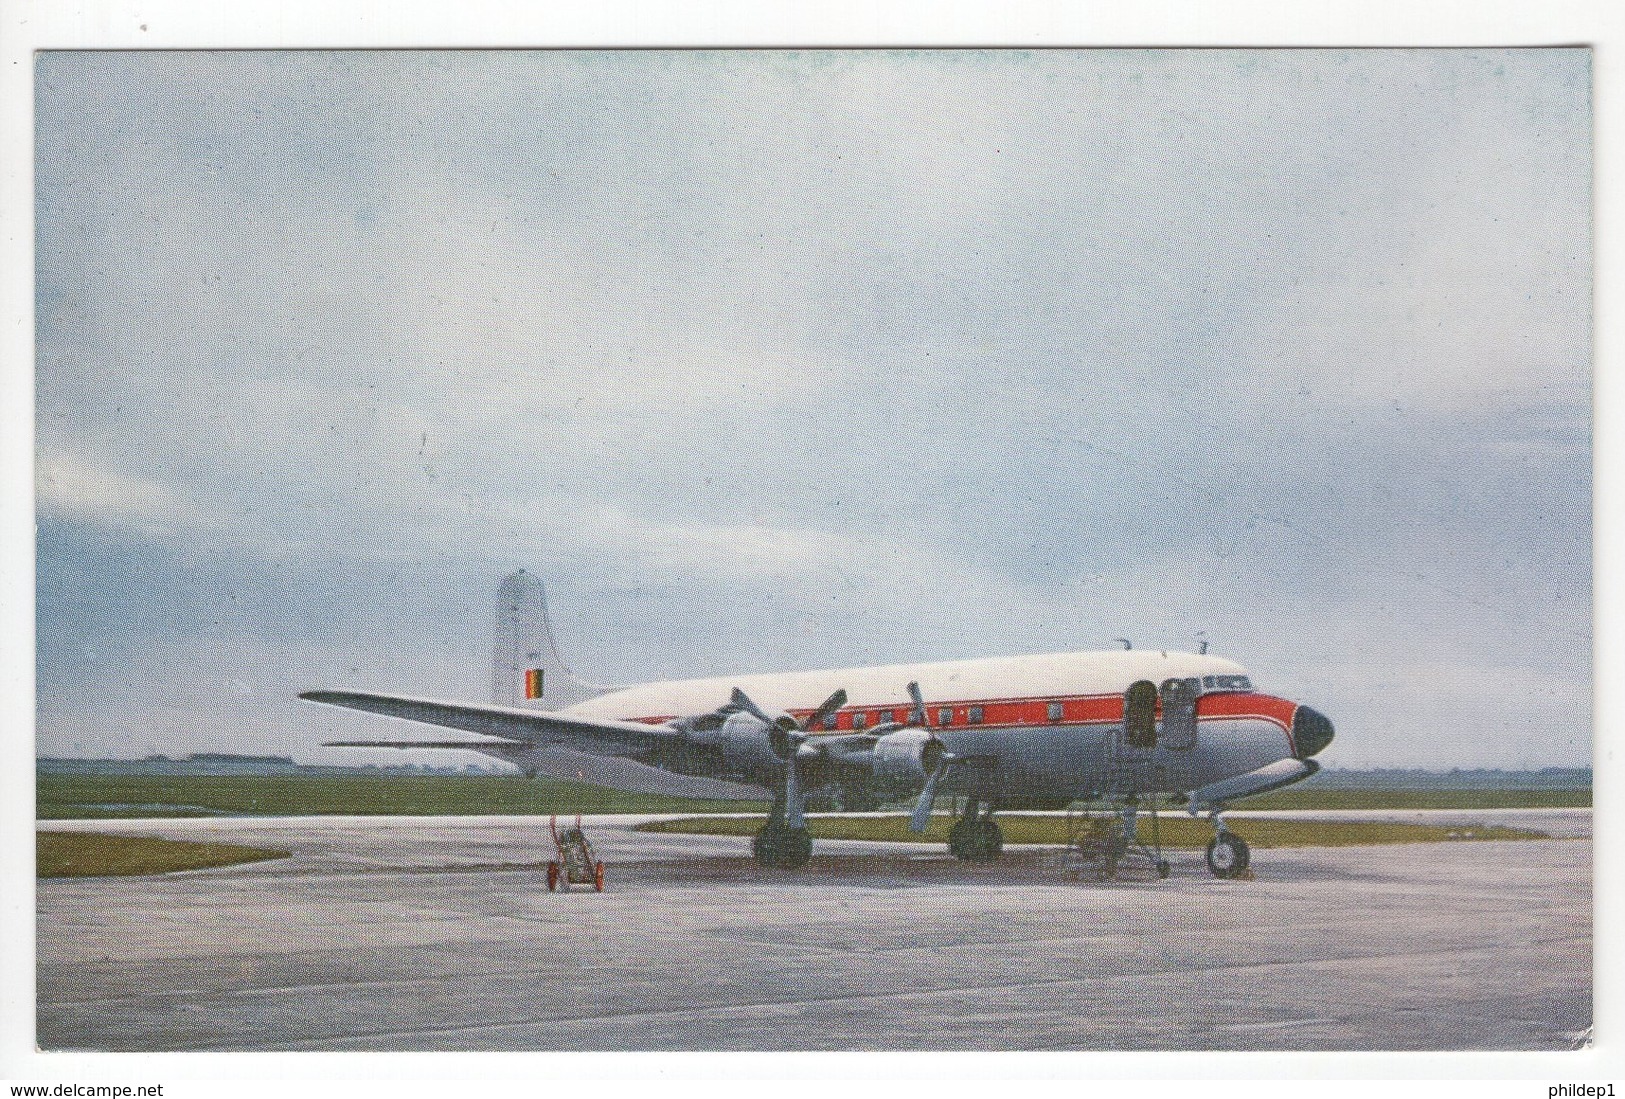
1024, 732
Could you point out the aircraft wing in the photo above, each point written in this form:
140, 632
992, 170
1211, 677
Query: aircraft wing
504, 746
534, 728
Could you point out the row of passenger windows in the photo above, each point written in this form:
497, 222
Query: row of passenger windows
974, 715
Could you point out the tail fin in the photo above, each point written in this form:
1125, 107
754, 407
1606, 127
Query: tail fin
526, 667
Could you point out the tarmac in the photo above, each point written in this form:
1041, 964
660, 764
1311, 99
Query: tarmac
436, 933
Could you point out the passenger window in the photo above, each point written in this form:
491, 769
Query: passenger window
859, 720
945, 716
832, 721
1055, 711
975, 715
1210, 681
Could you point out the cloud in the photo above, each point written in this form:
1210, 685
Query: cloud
82, 491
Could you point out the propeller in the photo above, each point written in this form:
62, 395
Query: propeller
920, 717
917, 717
788, 735
920, 820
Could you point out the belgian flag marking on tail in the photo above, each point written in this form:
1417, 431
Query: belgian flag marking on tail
533, 683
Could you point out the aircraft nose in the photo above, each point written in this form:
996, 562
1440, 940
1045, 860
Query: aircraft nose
1311, 731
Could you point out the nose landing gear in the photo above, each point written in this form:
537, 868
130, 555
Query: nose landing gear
1227, 853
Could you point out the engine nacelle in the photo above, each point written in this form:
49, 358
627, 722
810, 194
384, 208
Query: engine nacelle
903, 760
749, 747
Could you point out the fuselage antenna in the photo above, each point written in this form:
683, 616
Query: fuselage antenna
1125, 642
1201, 642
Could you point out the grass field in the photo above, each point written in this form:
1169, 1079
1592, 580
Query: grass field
90, 855
72, 796
1309, 797
1181, 831
67, 797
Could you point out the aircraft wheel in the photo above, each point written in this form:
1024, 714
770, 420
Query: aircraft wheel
1163, 869
1116, 848
598, 877
976, 840
1227, 855
552, 876
782, 847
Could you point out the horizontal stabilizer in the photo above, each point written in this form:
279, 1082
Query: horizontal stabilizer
1283, 772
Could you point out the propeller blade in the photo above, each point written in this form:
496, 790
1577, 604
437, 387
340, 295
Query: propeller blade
795, 806
920, 716
742, 700
921, 819
831, 704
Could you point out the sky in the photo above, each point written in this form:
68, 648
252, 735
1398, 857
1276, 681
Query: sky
785, 360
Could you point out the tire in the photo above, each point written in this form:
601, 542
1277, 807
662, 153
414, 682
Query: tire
781, 847
989, 840
1116, 848
1163, 869
552, 877
797, 849
1227, 855
598, 877
975, 840
765, 846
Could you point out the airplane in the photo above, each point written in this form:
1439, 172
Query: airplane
1005, 733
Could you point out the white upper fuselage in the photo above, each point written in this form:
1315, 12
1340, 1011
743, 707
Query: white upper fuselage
948, 683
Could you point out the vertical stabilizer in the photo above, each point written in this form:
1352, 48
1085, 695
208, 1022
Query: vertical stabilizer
526, 667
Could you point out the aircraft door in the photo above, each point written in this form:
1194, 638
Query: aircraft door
1179, 714
1140, 715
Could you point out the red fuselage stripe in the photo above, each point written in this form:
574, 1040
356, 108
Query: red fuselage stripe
1004, 713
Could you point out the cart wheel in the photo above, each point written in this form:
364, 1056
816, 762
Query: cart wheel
552, 876
598, 877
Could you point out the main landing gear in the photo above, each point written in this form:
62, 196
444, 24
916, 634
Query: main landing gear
975, 836
779, 845
1227, 853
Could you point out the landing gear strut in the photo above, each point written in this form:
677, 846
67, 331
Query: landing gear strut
778, 844
1227, 853
975, 836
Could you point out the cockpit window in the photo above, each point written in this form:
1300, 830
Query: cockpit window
1226, 683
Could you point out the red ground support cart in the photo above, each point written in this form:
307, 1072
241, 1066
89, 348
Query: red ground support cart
575, 864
